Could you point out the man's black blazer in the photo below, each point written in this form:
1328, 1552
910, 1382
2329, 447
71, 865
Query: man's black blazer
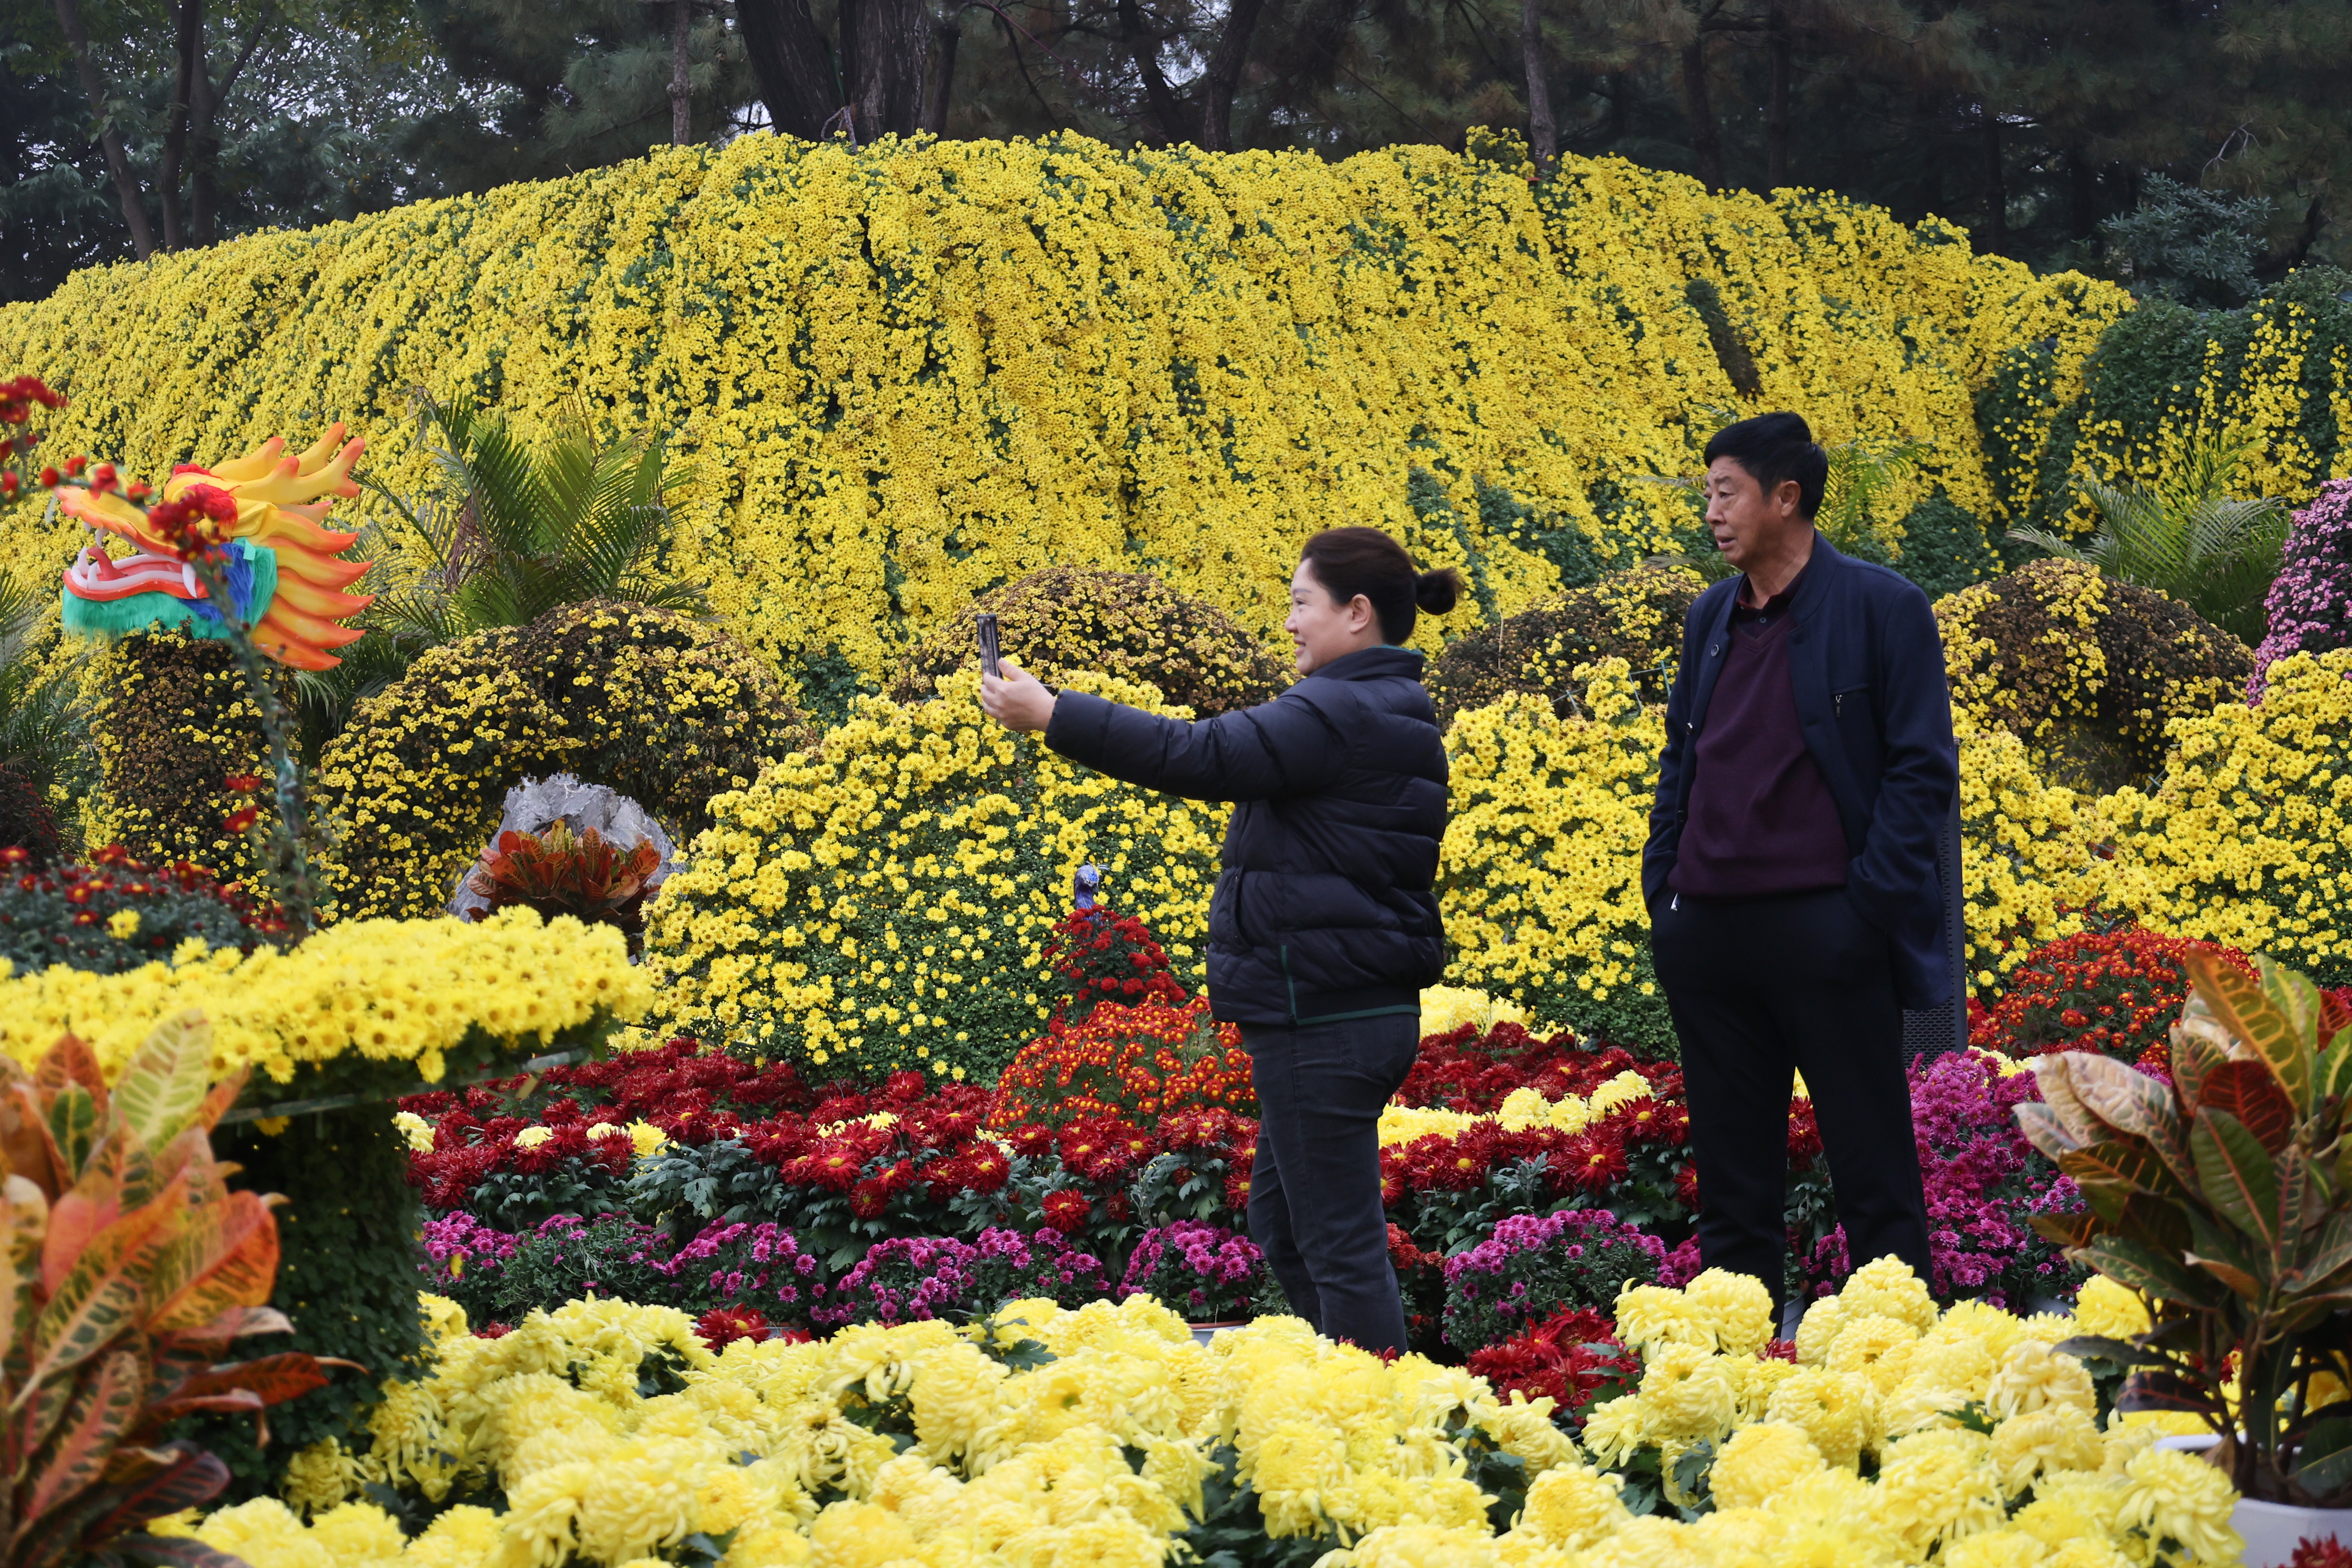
1867, 666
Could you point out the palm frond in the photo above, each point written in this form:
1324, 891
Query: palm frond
2185, 536
569, 466
516, 531
43, 727
506, 503
1861, 478
2050, 543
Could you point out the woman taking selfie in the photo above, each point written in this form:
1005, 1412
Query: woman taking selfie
1324, 928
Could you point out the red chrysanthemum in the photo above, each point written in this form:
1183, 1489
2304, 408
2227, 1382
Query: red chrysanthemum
723, 1326
1065, 1211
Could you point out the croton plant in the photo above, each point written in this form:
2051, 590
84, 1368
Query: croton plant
2224, 1198
131, 1269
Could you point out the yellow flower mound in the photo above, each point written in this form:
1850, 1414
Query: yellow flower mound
1541, 877
374, 990
2247, 839
1445, 1009
909, 372
1098, 1455
883, 900
1882, 1376
915, 1444
1521, 1109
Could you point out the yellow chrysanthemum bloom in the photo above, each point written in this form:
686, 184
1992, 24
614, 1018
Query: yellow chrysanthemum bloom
318, 1477
1936, 1487
1736, 1307
2054, 1438
1689, 1393
2108, 1309
2176, 1494
1888, 1287
1835, 1409
1759, 1461
1877, 1346
1573, 1506
1614, 1429
1651, 1315
1995, 1549
415, 1130
2033, 1375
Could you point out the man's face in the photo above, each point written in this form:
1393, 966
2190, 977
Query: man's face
1748, 523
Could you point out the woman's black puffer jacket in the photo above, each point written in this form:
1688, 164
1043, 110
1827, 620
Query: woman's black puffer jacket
1325, 908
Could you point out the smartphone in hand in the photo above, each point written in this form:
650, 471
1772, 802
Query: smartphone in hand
988, 649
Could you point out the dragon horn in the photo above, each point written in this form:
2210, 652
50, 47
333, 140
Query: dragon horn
325, 602
253, 465
314, 457
288, 483
319, 571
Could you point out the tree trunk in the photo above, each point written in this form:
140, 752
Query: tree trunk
188, 63
203, 136
1166, 108
949, 33
1706, 137
681, 79
795, 69
1223, 74
1996, 225
204, 152
882, 54
2084, 189
134, 214
1543, 132
1776, 110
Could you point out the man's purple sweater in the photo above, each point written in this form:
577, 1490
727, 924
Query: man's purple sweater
1761, 819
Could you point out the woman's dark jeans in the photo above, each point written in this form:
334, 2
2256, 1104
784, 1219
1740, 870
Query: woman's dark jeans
1315, 1188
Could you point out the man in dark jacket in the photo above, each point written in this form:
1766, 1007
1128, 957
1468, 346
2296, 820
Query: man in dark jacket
1324, 927
1795, 905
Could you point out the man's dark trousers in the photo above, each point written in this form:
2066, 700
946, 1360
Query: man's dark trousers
1763, 988
1315, 1204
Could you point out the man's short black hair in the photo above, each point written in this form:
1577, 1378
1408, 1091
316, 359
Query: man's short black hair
1775, 448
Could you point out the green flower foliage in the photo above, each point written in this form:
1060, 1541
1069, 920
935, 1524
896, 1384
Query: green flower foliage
1070, 620
347, 1279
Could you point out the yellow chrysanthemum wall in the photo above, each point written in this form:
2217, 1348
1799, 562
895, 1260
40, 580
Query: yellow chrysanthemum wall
910, 373
404, 995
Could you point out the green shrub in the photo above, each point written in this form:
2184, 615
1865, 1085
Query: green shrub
1945, 547
1634, 616
2085, 671
658, 707
347, 1278
172, 721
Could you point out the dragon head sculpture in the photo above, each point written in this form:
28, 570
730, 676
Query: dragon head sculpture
281, 563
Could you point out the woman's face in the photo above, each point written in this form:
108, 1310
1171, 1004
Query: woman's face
1323, 629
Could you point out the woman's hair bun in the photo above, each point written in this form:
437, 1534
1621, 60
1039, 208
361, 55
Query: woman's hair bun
1438, 591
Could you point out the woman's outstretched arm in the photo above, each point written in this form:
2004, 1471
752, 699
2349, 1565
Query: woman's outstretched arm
1284, 747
